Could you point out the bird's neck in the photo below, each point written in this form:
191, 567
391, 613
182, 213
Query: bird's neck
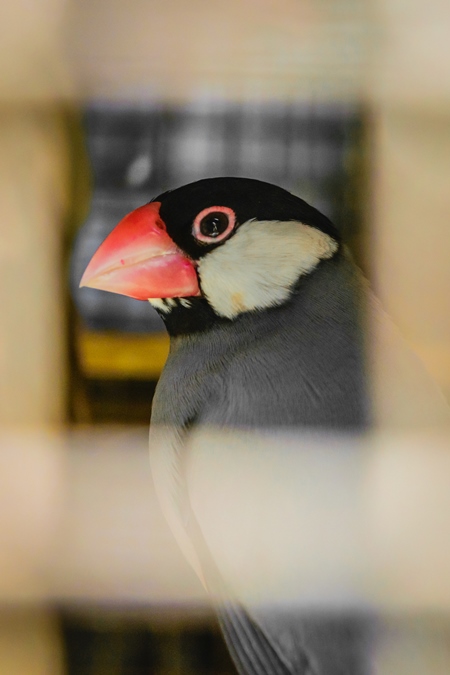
317, 292
191, 317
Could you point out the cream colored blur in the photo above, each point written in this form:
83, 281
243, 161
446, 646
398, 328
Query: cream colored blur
287, 517
393, 56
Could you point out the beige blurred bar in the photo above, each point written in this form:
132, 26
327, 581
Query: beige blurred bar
317, 518
34, 194
410, 233
392, 55
310, 521
234, 49
34, 197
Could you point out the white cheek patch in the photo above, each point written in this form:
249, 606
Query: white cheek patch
258, 266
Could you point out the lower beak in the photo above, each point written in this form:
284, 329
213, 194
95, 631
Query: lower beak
139, 259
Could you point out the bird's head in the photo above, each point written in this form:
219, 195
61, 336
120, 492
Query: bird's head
222, 245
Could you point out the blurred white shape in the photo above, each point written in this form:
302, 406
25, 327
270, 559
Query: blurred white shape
260, 156
196, 150
139, 170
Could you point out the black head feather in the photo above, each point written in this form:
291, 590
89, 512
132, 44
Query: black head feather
249, 199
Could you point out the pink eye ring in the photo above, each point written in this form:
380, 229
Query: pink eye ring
214, 224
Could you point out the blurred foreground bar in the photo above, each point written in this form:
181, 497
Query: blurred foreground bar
321, 523
319, 520
392, 55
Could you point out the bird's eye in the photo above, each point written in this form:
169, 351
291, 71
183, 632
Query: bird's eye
214, 224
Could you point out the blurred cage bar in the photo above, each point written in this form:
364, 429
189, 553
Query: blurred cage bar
393, 56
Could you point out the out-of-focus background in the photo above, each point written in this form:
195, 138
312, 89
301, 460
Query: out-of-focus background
103, 105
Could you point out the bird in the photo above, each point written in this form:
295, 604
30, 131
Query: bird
268, 318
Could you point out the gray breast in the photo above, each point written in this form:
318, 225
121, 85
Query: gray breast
301, 364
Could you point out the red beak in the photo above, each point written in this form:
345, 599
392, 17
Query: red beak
139, 259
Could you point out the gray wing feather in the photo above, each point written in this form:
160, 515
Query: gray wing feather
302, 365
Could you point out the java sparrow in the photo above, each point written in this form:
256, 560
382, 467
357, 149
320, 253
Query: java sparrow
268, 318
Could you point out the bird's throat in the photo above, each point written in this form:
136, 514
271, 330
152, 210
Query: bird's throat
184, 316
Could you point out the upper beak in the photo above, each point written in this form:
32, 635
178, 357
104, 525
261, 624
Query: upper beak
139, 259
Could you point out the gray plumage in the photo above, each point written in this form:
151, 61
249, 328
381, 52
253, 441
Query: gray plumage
311, 364
298, 365
273, 328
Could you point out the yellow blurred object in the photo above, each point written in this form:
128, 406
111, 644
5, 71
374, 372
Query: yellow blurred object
436, 357
122, 355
